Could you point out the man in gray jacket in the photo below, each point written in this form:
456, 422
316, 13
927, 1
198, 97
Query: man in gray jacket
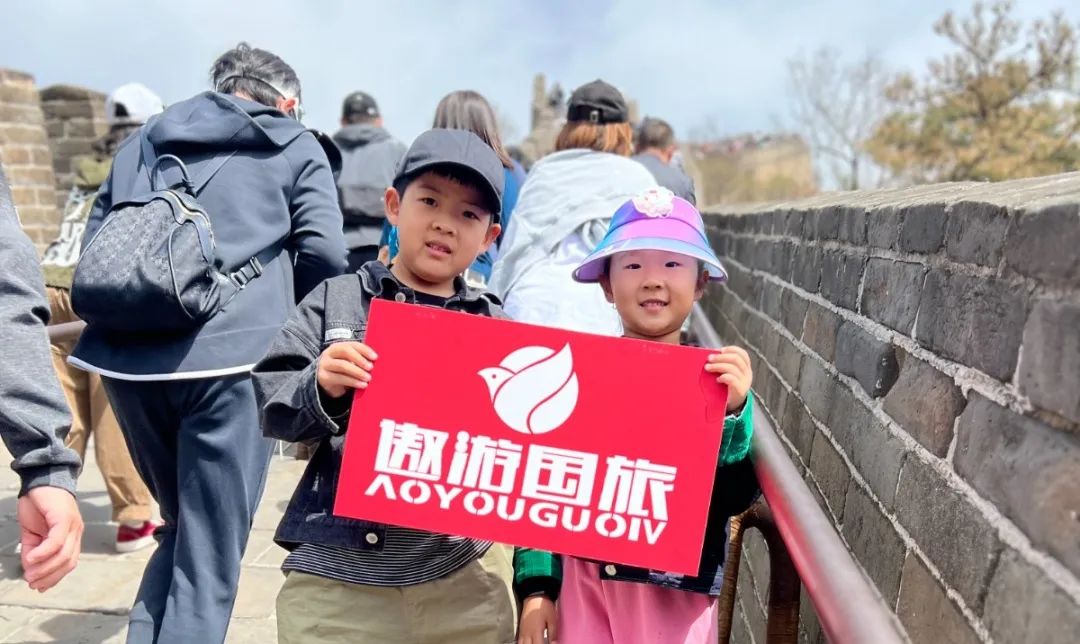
369, 158
655, 149
34, 418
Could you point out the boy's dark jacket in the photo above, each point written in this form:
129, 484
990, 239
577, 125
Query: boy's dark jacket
291, 410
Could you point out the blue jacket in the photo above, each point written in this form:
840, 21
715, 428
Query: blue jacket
277, 191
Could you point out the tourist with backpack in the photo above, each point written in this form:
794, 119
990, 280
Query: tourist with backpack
369, 159
215, 220
126, 109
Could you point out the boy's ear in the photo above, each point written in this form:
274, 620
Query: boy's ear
492, 234
392, 205
605, 283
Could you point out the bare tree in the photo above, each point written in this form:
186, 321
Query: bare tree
836, 108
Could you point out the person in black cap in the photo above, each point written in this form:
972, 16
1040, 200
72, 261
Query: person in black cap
369, 158
353, 580
564, 210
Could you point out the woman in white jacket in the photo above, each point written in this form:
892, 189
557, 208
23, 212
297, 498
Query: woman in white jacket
564, 210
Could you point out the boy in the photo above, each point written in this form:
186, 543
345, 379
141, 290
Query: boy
353, 580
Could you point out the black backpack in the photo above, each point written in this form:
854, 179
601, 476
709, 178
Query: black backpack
151, 266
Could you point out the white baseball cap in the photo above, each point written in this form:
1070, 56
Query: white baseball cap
132, 104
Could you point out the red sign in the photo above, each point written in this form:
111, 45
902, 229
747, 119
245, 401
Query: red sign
599, 447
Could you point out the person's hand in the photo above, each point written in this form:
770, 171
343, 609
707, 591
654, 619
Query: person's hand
344, 366
537, 616
51, 535
732, 366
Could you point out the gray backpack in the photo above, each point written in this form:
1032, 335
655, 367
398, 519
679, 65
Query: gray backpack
151, 266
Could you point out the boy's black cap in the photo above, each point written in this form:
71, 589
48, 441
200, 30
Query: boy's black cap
360, 103
458, 148
597, 102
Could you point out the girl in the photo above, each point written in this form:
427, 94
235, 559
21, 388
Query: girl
653, 264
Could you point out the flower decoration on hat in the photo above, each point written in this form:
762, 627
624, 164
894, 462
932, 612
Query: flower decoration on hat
656, 202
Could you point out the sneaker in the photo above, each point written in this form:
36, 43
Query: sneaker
132, 538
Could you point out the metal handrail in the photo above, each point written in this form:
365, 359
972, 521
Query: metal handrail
848, 607
65, 332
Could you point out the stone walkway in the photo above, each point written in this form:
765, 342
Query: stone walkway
91, 604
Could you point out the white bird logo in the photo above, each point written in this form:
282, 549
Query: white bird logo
534, 389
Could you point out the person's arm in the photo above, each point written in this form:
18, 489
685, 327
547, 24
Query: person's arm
34, 418
291, 406
317, 240
537, 580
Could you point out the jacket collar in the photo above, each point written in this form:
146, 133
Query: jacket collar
379, 282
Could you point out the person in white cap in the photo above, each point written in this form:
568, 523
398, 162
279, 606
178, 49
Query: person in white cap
126, 109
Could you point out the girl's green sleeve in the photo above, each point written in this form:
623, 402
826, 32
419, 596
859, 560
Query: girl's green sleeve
738, 429
537, 571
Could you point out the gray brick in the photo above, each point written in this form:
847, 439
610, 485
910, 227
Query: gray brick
1024, 607
770, 343
891, 293
817, 387
806, 268
874, 542
788, 361
831, 473
1043, 244
925, 402
743, 284
976, 233
1028, 470
926, 611
883, 230
976, 321
794, 223
819, 332
792, 311
873, 450
867, 359
809, 221
1050, 363
841, 273
828, 222
949, 529
798, 427
853, 226
782, 252
922, 229
770, 299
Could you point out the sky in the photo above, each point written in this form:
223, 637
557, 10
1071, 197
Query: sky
714, 64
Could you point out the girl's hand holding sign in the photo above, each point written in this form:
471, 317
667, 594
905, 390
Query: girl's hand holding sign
732, 365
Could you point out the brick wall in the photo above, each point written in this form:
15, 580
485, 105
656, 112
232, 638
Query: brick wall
920, 351
24, 153
74, 119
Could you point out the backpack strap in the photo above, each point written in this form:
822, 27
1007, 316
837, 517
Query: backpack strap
149, 159
253, 267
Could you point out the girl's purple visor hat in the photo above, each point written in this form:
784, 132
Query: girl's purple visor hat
655, 221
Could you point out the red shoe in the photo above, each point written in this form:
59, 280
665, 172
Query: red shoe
130, 539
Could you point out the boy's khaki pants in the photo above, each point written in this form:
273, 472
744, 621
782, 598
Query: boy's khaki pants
473, 605
91, 414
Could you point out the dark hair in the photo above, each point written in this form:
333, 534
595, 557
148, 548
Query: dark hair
256, 73
454, 173
654, 133
468, 110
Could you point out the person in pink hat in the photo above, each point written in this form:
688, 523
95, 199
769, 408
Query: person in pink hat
653, 265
